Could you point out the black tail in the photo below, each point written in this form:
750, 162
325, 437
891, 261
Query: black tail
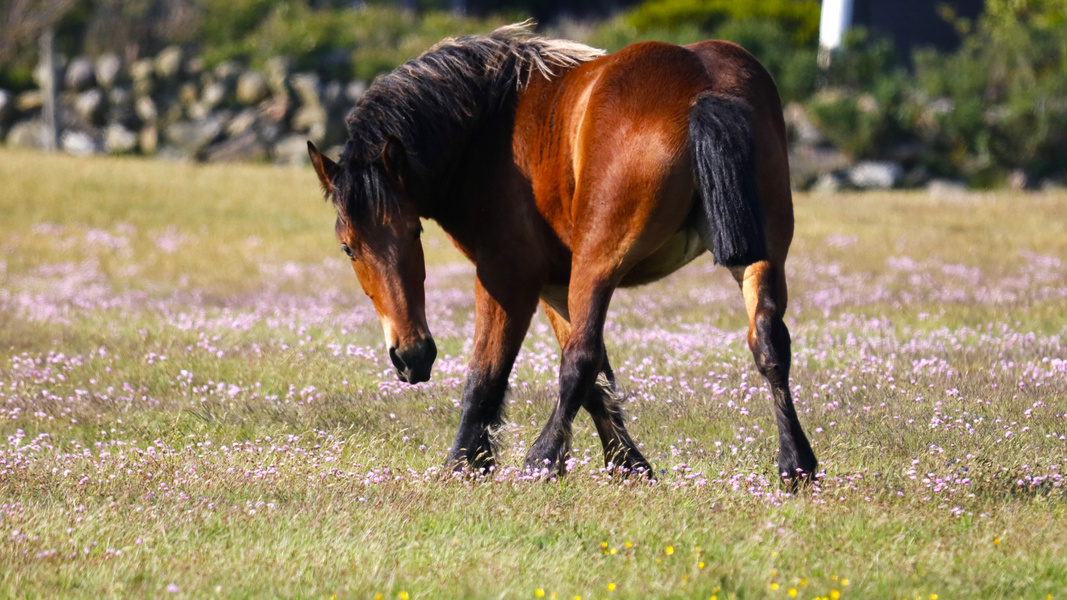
723, 148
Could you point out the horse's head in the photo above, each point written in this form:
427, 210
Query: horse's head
380, 235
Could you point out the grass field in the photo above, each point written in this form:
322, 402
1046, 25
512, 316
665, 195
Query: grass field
196, 403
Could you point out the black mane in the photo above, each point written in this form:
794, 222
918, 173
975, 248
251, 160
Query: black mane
433, 103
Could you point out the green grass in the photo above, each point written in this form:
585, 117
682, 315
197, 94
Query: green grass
194, 392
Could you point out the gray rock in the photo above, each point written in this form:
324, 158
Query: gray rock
108, 68
946, 188
80, 74
80, 143
306, 88
168, 63
214, 94
243, 148
146, 109
277, 74
27, 134
187, 94
799, 125
310, 119
291, 150
148, 139
121, 106
29, 101
190, 137
355, 90
242, 122
143, 80
875, 175
251, 88
89, 106
198, 111
228, 72
119, 140
828, 183
7, 103
193, 66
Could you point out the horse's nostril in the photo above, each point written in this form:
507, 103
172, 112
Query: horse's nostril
397, 361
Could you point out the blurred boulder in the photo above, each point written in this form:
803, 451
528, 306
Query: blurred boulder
291, 150
119, 140
190, 137
306, 88
214, 94
146, 109
27, 134
29, 101
799, 126
243, 148
828, 183
946, 188
241, 122
148, 139
108, 68
251, 88
7, 109
141, 74
168, 63
277, 75
80, 75
875, 175
80, 143
89, 106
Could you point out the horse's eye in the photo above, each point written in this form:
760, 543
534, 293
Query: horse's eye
348, 251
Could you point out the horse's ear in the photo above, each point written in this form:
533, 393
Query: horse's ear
395, 161
324, 167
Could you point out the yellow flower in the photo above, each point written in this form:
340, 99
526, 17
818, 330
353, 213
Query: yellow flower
377, 597
539, 592
834, 594
803, 582
577, 598
614, 550
774, 554
404, 596
629, 545
996, 542
844, 582
792, 592
774, 586
670, 550
714, 598
933, 596
611, 587
603, 544
700, 565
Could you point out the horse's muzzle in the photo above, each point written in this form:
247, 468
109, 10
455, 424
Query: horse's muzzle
413, 364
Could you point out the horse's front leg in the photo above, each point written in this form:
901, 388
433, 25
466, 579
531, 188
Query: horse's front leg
502, 316
583, 359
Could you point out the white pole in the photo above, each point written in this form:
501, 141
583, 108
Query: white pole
834, 22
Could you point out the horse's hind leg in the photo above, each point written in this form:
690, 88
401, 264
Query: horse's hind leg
764, 289
603, 405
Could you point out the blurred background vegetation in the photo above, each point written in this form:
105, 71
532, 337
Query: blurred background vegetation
995, 105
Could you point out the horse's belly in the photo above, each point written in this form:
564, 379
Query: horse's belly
679, 250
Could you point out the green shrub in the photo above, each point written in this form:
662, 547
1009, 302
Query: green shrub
1000, 102
800, 17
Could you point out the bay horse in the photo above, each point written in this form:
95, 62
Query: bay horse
563, 174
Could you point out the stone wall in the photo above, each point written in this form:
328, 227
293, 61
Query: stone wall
173, 106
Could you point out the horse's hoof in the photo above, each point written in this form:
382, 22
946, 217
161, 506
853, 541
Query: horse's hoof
797, 470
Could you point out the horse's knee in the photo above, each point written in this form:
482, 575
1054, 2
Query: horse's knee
770, 344
578, 371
